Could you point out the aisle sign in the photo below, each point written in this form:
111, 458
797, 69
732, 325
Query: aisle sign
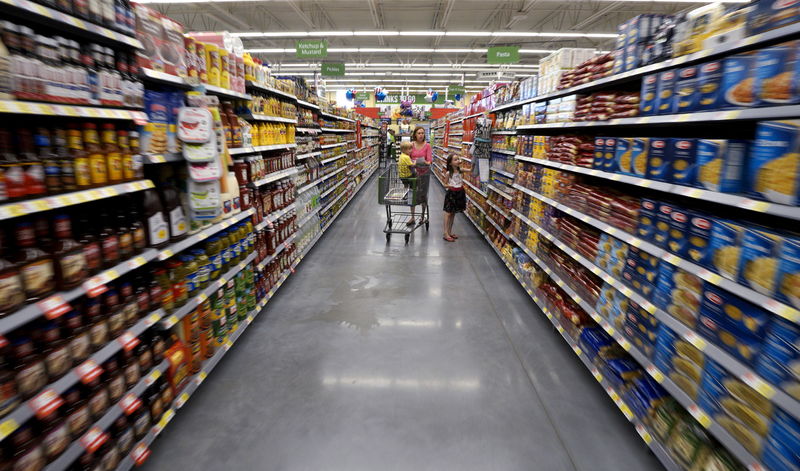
503, 55
362, 96
455, 90
333, 69
311, 48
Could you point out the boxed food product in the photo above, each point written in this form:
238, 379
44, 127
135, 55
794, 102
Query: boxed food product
610, 154
709, 83
638, 160
659, 162
697, 246
779, 360
724, 248
155, 135
687, 92
788, 279
738, 408
783, 441
774, 162
758, 263
647, 219
633, 56
665, 92
162, 42
720, 163
738, 82
677, 239
681, 361
684, 163
599, 152
622, 156
777, 74
661, 235
678, 293
647, 106
770, 14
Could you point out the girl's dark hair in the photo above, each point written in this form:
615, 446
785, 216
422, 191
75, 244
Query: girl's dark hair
450, 167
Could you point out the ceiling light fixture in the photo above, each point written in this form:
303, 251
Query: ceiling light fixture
505, 34
442, 50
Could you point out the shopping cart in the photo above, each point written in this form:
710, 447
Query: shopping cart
408, 192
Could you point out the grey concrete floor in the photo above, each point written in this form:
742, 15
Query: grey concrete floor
391, 357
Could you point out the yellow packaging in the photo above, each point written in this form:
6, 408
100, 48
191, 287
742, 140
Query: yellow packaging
224, 67
212, 64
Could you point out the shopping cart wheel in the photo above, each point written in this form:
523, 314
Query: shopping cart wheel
388, 236
427, 223
408, 236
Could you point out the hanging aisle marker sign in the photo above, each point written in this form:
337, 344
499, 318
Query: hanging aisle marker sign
332, 69
455, 89
503, 55
362, 96
311, 48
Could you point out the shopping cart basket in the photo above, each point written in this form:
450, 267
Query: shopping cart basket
406, 192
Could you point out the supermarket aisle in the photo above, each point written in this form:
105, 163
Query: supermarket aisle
425, 357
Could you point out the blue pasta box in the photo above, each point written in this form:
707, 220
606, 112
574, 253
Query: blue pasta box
758, 263
709, 83
776, 75
647, 219
678, 230
774, 162
610, 152
679, 360
720, 163
684, 163
770, 14
659, 159
661, 235
599, 152
638, 167
665, 92
647, 105
738, 315
633, 56
724, 248
697, 246
738, 82
622, 156
719, 330
664, 286
687, 92
788, 283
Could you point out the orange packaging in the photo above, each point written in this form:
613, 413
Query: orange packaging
179, 369
190, 326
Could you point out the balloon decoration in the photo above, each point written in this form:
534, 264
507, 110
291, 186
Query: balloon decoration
405, 108
457, 96
434, 97
429, 96
379, 94
350, 94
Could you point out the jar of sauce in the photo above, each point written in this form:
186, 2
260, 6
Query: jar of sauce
130, 307
99, 400
76, 410
55, 435
114, 379
78, 337
30, 373
98, 324
177, 275
130, 369
214, 253
35, 265
165, 289
144, 355
55, 351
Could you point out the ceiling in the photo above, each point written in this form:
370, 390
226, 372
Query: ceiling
452, 27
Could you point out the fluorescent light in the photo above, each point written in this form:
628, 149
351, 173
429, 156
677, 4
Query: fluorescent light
467, 34
536, 51
445, 50
376, 33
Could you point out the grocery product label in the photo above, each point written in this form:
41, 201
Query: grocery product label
128, 341
140, 454
129, 404
88, 371
52, 307
93, 439
157, 229
45, 403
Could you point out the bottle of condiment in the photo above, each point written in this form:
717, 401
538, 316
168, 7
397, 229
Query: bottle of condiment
55, 351
65, 162
203, 268
177, 275
31, 165
26, 446
98, 400
161, 277
30, 374
109, 240
144, 355
112, 310
49, 160
137, 229
114, 378
141, 293
155, 221
92, 251
130, 308
213, 250
77, 411
140, 419
11, 170
131, 369
138, 165
8, 386
35, 265
98, 166
125, 236
122, 433
70, 261
79, 157
128, 172
12, 293
113, 154
80, 346
172, 207
98, 323
55, 434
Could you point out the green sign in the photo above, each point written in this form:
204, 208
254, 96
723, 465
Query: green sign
455, 90
503, 55
415, 99
311, 48
363, 96
332, 69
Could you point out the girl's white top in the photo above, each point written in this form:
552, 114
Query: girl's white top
456, 181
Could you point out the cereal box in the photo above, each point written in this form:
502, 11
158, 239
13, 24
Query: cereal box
659, 162
738, 82
647, 105
665, 89
788, 279
661, 235
776, 75
720, 163
774, 162
647, 220
709, 83
724, 248
684, 164
687, 93
758, 264
770, 14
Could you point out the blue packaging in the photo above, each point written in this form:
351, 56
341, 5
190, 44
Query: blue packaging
610, 154
765, 15
659, 161
687, 92
664, 286
665, 88
599, 152
647, 219
633, 56
678, 228
759, 260
776, 72
773, 166
738, 87
720, 163
776, 457
739, 316
661, 235
709, 83
788, 279
697, 246
724, 248
622, 156
638, 167
647, 105
684, 162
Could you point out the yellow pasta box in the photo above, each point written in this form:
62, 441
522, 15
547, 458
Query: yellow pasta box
622, 156
638, 159
774, 163
788, 279
758, 266
724, 248
720, 163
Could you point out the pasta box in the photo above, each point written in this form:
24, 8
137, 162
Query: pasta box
678, 230
599, 152
776, 75
738, 82
638, 164
770, 14
647, 219
788, 279
774, 163
665, 89
622, 155
758, 263
661, 235
697, 244
687, 93
647, 105
664, 285
739, 317
610, 152
720, 163
724, 248
679, 360
684, 163
659, 159
709, 84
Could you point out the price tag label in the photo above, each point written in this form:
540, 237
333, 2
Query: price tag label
759, 385
165, 254
136, 262
699, 415
54, 306
576, 349
152, 319
181, 400
683, 118
170, 321
88, 371
201, 377
625, 344
597, 375
93, 439
626, 410
95, 287
655, 373
228, 344
165, 419
7, 427
644, 433
152, 377
695, 340
129, 404
140, 453
45, 403
128, 341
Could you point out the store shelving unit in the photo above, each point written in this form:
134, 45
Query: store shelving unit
251, 150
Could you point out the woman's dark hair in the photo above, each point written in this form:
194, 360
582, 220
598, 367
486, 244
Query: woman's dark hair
450, 167
414, 134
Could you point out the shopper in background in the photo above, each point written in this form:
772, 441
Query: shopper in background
455, 201
405, 168
421, 152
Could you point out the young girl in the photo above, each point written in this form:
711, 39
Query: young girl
455, 201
